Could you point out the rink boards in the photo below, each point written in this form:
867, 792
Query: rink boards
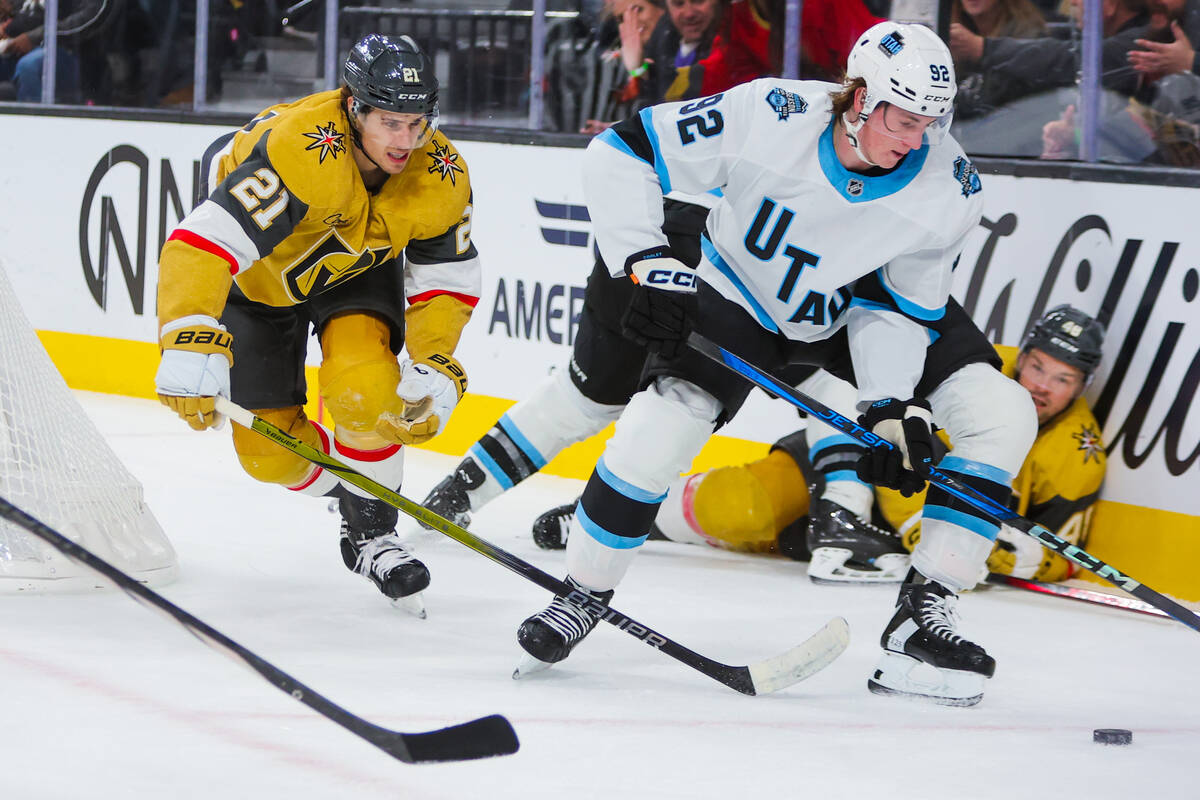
87, 219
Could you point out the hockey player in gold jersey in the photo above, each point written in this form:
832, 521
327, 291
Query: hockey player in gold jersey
349, 212
767, 505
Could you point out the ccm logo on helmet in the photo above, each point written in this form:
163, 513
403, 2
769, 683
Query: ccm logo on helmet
686, 280
937, 98
423, 95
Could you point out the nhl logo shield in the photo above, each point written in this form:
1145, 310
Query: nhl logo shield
854, 187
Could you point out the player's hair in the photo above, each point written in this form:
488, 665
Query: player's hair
843, 98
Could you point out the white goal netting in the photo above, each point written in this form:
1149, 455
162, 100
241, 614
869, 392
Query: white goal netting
55, 465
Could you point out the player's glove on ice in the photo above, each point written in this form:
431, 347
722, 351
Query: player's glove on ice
429, 390
907, 425
1015, 554
664, 302
197, 353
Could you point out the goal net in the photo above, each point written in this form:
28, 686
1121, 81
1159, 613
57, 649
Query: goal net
55, 465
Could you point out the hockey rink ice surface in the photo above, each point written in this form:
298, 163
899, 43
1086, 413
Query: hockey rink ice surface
105, 699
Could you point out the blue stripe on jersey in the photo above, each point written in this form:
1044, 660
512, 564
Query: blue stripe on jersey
624, 487
976, 468
491, 466
908, 306
714, 257
873, 187
605, 537
646, 115
610, 138
508, 426
985, 528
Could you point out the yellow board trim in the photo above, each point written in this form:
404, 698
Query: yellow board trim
1159, 548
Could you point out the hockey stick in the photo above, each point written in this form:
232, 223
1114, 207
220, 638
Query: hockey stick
479, 738
1076, 593
967, 494
762, 677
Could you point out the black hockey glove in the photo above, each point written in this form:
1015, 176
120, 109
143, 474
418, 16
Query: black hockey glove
907, 425
664, 302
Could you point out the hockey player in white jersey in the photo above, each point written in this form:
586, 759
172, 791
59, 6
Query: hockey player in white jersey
844, 209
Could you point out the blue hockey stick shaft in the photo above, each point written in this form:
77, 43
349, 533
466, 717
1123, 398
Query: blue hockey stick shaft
1000, 513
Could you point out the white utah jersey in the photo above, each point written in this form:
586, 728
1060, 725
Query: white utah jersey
799, 241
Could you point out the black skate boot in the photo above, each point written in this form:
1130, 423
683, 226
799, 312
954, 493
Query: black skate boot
370, 547
452, 498
549, 636
551, 529
924, 632
845, 549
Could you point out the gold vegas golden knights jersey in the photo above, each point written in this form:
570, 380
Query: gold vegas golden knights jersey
290, 217
1057, 486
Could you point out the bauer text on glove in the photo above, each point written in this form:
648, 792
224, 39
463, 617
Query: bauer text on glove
429, 390
908, 426
197, 353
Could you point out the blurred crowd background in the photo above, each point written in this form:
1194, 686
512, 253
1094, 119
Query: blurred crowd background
1021, 67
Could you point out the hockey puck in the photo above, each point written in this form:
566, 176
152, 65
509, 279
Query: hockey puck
1112, 736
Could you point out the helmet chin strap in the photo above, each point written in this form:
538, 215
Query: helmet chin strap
852, 129
355, 134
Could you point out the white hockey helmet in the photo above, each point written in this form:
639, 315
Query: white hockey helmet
909, 66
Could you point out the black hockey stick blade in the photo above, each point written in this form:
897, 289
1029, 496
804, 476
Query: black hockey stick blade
768, 675
1077, 593
480, 738
999, 513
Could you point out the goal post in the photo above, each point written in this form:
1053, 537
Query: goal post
55, 465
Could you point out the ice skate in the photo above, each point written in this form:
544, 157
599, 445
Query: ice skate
370, 547
923, 655
452, 497
550, 530
549, 636
846, 549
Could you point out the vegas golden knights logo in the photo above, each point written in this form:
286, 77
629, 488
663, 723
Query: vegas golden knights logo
330, 263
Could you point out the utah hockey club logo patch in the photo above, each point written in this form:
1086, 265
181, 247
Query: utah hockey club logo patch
444, 161
967, 176
785, 103
854, 187
328, 140
1089, 443
891, 43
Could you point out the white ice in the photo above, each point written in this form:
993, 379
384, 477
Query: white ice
103, 699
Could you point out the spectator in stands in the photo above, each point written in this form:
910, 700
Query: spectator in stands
828, 29
972, 21
1172, 51
22, 53
1161, 124
637, 20
1013, 67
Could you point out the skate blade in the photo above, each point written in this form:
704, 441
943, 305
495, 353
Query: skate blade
413, 604
947, 687
828, 567
528, 665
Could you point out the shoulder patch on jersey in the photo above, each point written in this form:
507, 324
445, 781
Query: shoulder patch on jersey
1089, 443
328, 140
967, 176
785, 103
444, 161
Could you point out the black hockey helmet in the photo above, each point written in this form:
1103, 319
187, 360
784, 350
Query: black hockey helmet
391, 73
1070, 335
